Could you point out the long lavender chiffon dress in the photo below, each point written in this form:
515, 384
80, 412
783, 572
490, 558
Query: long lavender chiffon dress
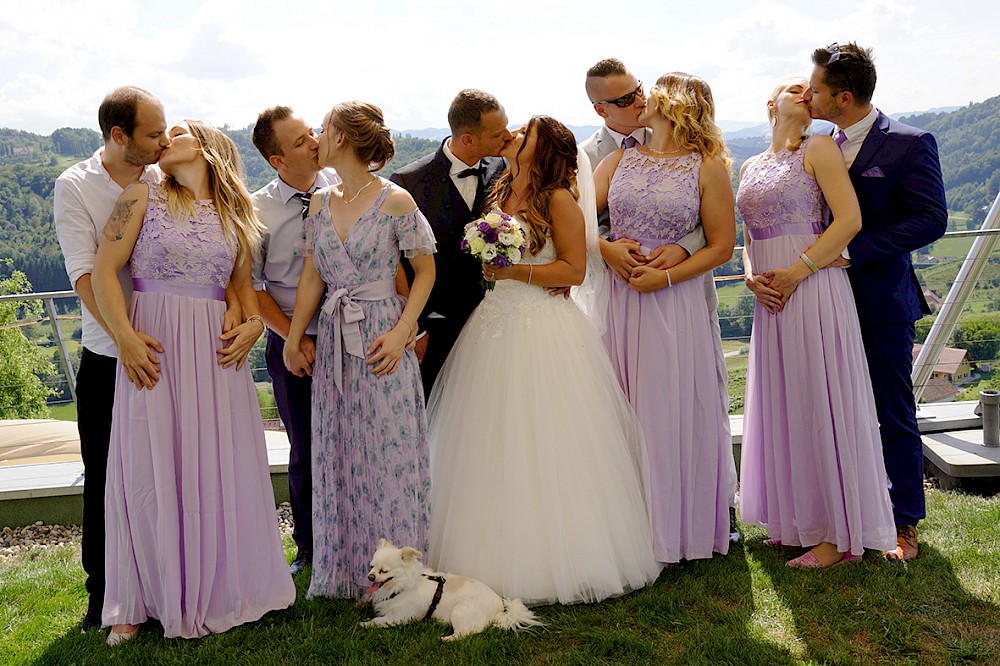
663, 348
811, 466
192, 533
370, 462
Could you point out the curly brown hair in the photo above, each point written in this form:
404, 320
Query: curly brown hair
553, 167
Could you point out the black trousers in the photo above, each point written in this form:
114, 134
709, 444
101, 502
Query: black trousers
95, 399
293, 396
442, 336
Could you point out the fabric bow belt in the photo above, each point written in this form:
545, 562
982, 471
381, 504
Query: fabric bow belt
347, 314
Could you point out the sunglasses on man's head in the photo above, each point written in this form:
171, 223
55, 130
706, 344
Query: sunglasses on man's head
625, 100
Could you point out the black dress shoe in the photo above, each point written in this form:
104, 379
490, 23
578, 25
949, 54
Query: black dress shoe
90, 621
302, 560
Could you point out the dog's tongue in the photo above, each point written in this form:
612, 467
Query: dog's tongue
374, 587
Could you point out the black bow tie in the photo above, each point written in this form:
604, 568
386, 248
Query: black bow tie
479, 171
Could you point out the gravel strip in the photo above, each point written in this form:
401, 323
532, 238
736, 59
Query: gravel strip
14, 541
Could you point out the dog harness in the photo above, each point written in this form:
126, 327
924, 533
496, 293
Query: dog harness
437, 594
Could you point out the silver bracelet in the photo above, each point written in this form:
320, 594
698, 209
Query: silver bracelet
531, 268
670, 282
257, 317
808, 262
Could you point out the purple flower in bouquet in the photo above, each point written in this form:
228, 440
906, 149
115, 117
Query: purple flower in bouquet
484, 226
501, 261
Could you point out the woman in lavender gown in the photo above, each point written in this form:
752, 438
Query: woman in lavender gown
192, 532
659, 333
811, 465
536, 455
370, 460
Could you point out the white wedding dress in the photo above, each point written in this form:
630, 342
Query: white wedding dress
537, 468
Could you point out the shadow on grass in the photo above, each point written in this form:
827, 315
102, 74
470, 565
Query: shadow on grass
877, 611
699, 612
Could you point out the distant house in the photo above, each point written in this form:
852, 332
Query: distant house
933, 300
939, 389
954, 365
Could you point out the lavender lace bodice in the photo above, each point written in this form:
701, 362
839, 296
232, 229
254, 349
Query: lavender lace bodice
194, 250
776, 190
654, 197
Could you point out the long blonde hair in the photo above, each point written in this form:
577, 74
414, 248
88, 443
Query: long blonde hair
225, 181
553, 167
686, 100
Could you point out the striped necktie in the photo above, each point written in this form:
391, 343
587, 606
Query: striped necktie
305, 198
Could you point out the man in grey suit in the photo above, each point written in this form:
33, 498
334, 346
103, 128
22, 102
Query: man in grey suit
618, 98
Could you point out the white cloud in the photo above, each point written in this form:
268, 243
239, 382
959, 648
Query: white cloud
223, 61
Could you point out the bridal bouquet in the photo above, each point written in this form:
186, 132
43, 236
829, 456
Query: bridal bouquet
495, 240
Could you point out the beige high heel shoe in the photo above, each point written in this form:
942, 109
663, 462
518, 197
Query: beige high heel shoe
116, 637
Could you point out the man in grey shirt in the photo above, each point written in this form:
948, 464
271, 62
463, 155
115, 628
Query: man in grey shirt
290, 146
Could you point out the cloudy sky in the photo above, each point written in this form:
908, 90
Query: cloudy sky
224, 61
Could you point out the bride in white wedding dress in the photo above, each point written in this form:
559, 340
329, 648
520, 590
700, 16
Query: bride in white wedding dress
538, 474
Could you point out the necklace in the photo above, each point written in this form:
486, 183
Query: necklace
663, 152
358, 193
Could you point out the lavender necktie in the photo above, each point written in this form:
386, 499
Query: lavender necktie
630, 142
839, 138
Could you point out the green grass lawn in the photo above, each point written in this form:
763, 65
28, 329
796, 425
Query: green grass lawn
744, 608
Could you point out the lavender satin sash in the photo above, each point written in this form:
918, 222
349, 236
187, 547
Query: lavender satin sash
177, 288
775, 230
347, 315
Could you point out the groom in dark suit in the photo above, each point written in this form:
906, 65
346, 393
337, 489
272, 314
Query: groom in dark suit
897, 177
450, 188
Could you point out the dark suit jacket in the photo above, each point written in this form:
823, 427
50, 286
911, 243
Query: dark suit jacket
897, 177
457, 290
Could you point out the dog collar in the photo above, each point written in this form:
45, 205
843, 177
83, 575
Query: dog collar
437, 594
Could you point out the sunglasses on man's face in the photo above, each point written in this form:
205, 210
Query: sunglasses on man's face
625, 100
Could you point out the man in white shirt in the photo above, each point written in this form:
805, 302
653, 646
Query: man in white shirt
134, 131
290, 146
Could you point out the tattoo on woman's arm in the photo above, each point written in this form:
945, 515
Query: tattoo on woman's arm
118, 219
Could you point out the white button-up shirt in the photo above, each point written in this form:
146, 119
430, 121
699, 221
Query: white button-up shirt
85, 194
466, 186
856, 135
277, 266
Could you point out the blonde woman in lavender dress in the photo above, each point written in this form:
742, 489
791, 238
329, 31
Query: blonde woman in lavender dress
192, 533
659, 332
811, 465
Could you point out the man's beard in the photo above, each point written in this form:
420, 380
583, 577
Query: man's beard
137, 157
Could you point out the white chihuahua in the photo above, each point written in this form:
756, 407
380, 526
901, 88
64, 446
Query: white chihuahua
404, 590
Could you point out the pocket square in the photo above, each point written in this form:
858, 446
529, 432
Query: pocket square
874, 172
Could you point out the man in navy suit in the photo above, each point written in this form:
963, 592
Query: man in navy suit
897, 177
450, 188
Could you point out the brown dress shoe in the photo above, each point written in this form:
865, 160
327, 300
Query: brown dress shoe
906, 544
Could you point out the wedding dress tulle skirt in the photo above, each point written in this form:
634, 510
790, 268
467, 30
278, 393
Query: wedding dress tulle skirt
537, 457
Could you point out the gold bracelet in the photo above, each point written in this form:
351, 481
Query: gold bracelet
408, 324
808, 262
670, 282
257, 317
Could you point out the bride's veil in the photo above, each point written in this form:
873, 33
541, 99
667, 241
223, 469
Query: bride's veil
592, 295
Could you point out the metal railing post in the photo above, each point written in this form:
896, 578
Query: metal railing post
67, 366
954, 303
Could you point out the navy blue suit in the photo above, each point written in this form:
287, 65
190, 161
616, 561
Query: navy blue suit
457, 286
897, 177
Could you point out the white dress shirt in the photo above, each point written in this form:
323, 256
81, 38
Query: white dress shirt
277, 266
466, 186
641, 135
856, 135
84, 196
